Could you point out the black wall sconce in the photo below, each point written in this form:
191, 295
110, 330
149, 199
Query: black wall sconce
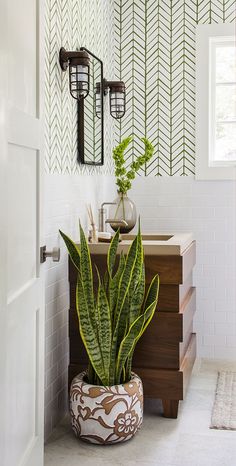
117, 98
78, 63
80, 76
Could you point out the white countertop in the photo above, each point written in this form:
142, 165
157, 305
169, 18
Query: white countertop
174, 243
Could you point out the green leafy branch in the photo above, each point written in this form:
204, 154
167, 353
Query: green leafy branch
124, 177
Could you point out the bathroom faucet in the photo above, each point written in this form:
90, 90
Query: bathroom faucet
102, 213
103, 222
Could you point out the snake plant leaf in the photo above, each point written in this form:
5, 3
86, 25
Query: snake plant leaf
114, 284
152, 290
73, 250
137, 328
137, 270
104, 329
128, 365
106, 280
126, 276
87, 276
87, 332
123, 323
152, 293
111, 256
127, 345
136, 300
96, 313
135, 307
154, 285
119, 333
123, 291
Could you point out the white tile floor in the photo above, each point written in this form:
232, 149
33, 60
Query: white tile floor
187, 441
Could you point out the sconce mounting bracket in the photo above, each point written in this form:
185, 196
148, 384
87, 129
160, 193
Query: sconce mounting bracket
63, 59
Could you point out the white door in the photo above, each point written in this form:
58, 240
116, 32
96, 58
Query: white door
21, 283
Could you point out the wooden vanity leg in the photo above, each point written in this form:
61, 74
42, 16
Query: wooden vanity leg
170, 408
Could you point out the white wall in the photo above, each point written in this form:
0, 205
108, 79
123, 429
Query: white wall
66, 197
208, 209
71, 24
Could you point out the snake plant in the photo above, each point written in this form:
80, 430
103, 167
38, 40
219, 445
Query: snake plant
112, 319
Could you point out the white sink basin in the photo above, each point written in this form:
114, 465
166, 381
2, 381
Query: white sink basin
147, 237
162, 243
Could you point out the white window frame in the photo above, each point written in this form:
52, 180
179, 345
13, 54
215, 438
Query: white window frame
205, 168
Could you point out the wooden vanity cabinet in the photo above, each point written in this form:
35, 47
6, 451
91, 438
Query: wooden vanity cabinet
165, 354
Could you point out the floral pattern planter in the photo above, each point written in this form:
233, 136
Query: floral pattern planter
106, 415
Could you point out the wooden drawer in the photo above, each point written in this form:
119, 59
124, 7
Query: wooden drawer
159, 383
165, 326
171, 297
164, 343
169, 384
159, 346
172, 269
188, 362
157, 356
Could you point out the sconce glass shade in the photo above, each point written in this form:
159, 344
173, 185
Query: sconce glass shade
117, 99
79, 80
78, 63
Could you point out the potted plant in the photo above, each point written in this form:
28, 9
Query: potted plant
106, 401
123, 209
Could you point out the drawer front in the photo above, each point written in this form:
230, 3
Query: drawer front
172, 269
187, 325
156, 355
159, 383
171, 297
188, 362
165, 341
163, 345
169, 384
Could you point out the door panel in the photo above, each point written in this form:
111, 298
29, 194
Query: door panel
22, 210
22, 47
22, 374
22, 289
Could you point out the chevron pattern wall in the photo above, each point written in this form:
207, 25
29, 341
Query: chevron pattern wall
155, 57
72, 24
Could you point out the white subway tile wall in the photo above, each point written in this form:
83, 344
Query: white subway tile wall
208, 209
65, 202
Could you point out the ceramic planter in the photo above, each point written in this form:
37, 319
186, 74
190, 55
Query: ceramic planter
106, 415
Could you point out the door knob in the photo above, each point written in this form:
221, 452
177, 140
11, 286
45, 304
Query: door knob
54, 254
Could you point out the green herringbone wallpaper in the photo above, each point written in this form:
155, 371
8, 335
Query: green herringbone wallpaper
72, 24
155, 56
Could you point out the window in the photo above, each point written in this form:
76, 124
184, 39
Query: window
222, 82
216, 102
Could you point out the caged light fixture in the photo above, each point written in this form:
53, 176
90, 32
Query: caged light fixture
81, 72
78, 63
117, 98
80, 69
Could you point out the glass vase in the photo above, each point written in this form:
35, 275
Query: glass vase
123, 212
